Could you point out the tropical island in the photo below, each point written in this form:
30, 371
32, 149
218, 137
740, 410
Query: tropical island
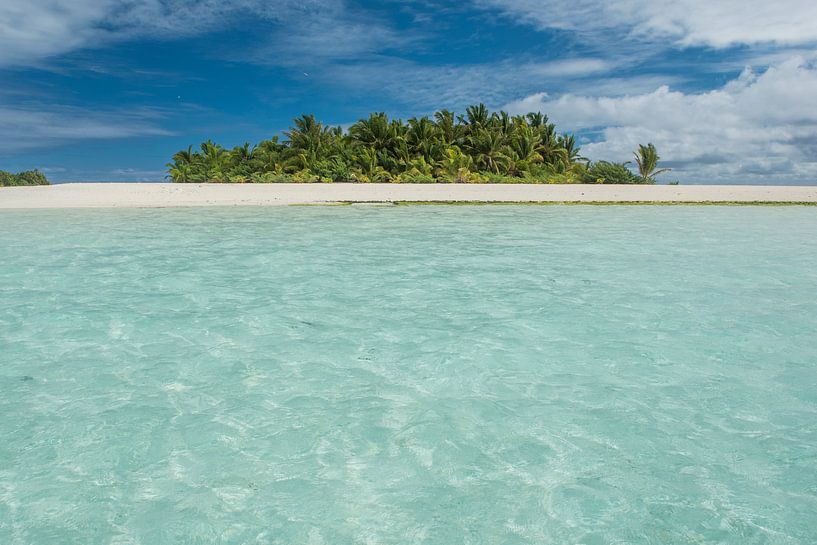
478, 147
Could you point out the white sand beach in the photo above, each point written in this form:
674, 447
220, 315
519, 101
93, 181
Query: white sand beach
157, 195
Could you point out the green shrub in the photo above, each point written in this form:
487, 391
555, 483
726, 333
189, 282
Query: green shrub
28, 177
493, 178
304, 177
270, 178
604, 172
465, 176
415, 176
332, 170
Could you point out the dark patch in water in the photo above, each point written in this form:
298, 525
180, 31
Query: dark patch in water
27, 378
367, 356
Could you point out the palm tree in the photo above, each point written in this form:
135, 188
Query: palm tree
215, 162
446, 122
647, 160
309, 142
240, 158
367, 160
568, 142
375, 132
453, 161
423, 138
537, 119
179, 172
446, 146
184, 157
181, 169
267, 156
476, 117
526, 144
307, 134
489, 151
501, 122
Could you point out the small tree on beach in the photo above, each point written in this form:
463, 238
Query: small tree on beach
647, 160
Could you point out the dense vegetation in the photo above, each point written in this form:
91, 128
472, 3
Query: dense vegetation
480, 146
29, 177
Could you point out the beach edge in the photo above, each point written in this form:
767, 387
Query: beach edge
167, 195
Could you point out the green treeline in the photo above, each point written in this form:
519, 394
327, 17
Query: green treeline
29, 177
480, 146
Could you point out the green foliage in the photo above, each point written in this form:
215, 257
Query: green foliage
477, 147
28, 177
415, 176
604, 172
646, 158
335, 169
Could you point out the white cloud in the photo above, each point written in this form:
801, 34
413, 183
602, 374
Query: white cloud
27, 128
758, 127
567, 67
326, 36
34, 30
457, 85
717, 23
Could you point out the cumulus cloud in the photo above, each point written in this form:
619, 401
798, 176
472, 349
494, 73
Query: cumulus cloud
717, 23
760, 126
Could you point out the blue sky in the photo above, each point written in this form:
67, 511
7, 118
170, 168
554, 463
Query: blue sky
110, 89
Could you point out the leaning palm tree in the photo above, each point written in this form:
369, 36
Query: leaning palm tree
179, 172
647, 160
185, 156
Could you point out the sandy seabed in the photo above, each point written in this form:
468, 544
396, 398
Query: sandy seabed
155, 195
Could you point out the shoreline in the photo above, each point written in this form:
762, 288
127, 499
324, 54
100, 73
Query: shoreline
165, 195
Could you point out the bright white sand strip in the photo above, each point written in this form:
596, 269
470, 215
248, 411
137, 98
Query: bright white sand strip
145, 195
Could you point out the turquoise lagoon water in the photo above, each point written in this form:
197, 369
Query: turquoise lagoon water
431, 374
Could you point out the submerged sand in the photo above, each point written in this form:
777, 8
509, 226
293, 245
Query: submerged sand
156, 195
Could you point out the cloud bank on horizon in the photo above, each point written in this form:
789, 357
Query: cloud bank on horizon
108, 89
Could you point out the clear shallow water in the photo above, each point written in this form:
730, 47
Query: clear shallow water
440, 375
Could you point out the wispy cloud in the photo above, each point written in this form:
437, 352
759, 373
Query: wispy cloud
32, 31
333, 32
29, 128
719, 23
455, 85
758, 127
